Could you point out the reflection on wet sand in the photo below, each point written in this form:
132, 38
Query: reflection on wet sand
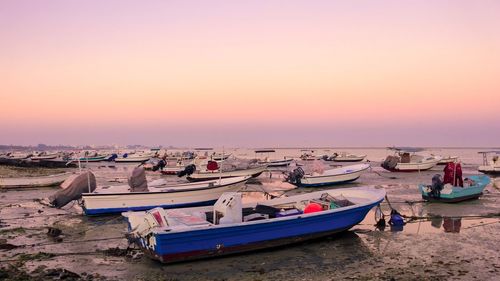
452, 224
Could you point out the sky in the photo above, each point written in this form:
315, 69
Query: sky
250, 73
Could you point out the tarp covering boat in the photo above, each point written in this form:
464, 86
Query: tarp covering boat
73, 188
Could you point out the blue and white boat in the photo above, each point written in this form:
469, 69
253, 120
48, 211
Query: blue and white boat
334, 176
117, 199
451, 194
229, 227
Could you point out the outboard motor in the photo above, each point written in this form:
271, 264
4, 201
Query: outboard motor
190, 169
296, 175
160, 165
73, 188
390, 162
437, 186
112, 157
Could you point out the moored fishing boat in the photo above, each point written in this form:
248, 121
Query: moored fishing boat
490, 167
116, 199
18, 155
215, 174
40, 181
45, 156
347, 157
474, 186
230, 227
272, 162
307, 155
406, 160
133, 158
329, 177
219, 156
95, 158
447, 159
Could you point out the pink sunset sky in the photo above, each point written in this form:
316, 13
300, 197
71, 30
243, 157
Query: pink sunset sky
250, 73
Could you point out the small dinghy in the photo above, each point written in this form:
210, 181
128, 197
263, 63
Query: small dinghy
329, 177
230, 227
472, 189
41, 181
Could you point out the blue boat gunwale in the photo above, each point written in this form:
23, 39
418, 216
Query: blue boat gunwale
370, 203
104, 211
357, 171
166, 191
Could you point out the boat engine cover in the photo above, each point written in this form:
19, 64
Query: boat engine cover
74, 188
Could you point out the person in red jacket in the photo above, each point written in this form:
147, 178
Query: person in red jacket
453, 170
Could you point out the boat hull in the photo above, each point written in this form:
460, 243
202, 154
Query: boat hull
452, 200
177, 247
108, 203
489, 170
132, 160
447, 160
255, 172
277, 163
89, 159
348, 159
458, 194
334, 179
42, 181
412, 167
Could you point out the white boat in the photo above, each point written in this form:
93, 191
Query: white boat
209, 175
219, 156
272, 162
116, 199
347, 157
308, 157
133, 158
448, 159
329, 177
276, 162
45, 156
40, 181
491, 167
406, 160
172, 170
18, 155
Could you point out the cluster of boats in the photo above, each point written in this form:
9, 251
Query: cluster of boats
205, 217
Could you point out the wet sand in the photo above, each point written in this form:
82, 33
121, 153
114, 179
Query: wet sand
438, 246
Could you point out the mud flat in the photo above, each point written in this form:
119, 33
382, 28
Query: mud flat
440, 242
